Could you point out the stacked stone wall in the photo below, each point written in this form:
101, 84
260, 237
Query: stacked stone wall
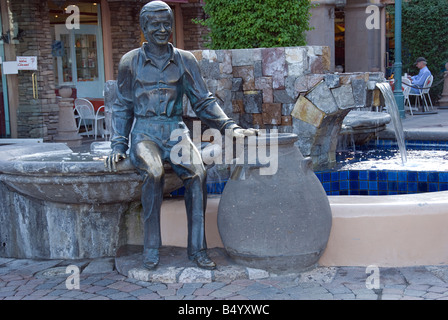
288, 89
259, 87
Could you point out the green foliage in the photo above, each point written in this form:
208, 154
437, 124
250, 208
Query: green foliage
238, 24
425, 34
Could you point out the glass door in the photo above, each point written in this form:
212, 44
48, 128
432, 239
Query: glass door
81, 64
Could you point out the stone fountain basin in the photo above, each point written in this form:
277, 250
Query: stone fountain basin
40, 171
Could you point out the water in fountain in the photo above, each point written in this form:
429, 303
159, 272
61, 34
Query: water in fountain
392, 108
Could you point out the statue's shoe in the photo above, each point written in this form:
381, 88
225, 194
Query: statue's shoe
150, 258
203, 261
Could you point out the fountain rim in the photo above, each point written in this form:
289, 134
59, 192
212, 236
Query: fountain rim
12, 164
279, 138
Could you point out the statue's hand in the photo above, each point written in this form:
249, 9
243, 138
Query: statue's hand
111, 161
241, 133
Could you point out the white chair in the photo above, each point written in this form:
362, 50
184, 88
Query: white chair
421, 94
427, 87
107, 131
87, 114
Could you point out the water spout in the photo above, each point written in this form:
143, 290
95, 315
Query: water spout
392, 108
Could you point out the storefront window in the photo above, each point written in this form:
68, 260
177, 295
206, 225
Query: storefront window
80, 62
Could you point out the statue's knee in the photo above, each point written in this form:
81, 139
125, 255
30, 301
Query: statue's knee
153, 174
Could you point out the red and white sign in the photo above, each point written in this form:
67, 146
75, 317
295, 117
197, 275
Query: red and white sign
27, 63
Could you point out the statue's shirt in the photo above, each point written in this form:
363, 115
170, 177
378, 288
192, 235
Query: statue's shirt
151, 91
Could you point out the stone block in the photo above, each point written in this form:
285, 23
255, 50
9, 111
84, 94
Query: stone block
197, 54
246, 120
247, 74
316, 65
209, 55
326, 59
320, 95
245, 57
344, 96
253, 101
237, 84
301, 85
287, 108
258, 69
286, 120
274, 64
237, 106
306, 111
332, 80
272, 113
296, 61
265, 84
359, 87
209, 69
225, 61
195, 275
257, 120
282, 96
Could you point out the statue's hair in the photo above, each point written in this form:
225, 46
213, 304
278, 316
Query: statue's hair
153, 6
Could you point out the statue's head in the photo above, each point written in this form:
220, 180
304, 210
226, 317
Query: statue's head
156, 21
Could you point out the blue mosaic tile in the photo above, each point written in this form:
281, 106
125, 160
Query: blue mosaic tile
382, 175
373, 185
422, 187
326, 176
354, 174
443, 177
363, 175
433, 177
392, 175
343, 175
422, 176
363, 185
412, 176
412, 187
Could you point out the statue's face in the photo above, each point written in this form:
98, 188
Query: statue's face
157, 27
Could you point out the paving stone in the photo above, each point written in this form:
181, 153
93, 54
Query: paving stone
433, 295
166, 292
414, 293
104, 265
420, 275
438, 289
221, 293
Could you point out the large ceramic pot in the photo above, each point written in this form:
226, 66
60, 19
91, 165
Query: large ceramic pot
277, 222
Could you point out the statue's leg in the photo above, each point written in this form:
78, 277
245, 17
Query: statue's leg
193, 175
146, 157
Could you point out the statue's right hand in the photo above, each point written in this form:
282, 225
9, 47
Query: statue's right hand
111, 161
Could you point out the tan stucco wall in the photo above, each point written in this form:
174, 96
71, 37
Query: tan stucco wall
399, 230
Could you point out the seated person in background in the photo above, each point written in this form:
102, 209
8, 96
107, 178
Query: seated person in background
424, 73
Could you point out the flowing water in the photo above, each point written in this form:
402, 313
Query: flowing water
392, 108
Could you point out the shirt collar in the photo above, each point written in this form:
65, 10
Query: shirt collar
150, 57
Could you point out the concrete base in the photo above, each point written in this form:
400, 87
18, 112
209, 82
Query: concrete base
399, 230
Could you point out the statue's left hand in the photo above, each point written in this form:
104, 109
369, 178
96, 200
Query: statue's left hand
241, 133
111, 161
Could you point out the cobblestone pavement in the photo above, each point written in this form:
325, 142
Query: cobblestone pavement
24, 279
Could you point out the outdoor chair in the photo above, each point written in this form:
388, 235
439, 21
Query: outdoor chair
107, 132
87, 115
422, 93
